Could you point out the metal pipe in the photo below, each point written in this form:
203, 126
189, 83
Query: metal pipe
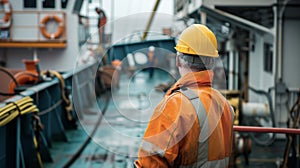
280, 49
246, 75
244, 23
280, 25
150, 20
35, 55
255, 109
268, 96
203, 18
231, 70
275, 42
113, 19
266, 129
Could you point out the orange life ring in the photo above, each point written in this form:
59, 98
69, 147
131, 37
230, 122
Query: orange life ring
59, 30
7, 19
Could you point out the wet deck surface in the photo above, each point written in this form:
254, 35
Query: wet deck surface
116, 141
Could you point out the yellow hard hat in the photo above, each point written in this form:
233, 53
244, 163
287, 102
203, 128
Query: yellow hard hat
197, 39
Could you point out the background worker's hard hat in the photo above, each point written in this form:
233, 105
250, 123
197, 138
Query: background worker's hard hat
197, 39
151, 48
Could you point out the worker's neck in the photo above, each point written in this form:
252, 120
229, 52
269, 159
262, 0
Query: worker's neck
183, 71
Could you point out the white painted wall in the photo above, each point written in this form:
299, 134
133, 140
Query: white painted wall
56, 59
291, 53
258, 78
255, 60
290, 65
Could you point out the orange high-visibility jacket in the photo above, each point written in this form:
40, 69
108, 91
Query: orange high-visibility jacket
186, 131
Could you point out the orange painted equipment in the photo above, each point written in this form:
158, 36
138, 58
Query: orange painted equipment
7, 19
182, 134
29, 76
60, 29
116, 63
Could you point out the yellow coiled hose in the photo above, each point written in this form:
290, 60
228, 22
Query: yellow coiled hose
14, 109
20, 107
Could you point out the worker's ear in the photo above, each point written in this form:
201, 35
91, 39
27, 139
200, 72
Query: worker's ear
178, 64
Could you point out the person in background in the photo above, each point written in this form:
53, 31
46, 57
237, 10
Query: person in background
101, 24
88, 56
151, 61
193, 125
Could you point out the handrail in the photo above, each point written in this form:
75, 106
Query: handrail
266, 129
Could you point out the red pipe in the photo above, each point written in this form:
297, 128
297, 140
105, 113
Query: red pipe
266, 129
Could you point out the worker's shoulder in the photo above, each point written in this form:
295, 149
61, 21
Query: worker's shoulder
180, 95
176, 96
172, 104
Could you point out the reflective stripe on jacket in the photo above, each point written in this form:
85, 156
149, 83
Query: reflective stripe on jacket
186, 131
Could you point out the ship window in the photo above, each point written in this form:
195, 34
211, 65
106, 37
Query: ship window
268, 57
64, 4
48, 3
29, 3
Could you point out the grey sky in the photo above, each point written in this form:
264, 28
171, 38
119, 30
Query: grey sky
131, 16
129, 7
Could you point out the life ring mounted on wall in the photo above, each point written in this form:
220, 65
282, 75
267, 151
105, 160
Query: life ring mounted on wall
59, 31
7, 19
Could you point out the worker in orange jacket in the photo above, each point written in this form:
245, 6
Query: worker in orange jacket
193, 125
101, 24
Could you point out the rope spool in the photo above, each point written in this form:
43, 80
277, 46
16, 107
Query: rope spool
23, 78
